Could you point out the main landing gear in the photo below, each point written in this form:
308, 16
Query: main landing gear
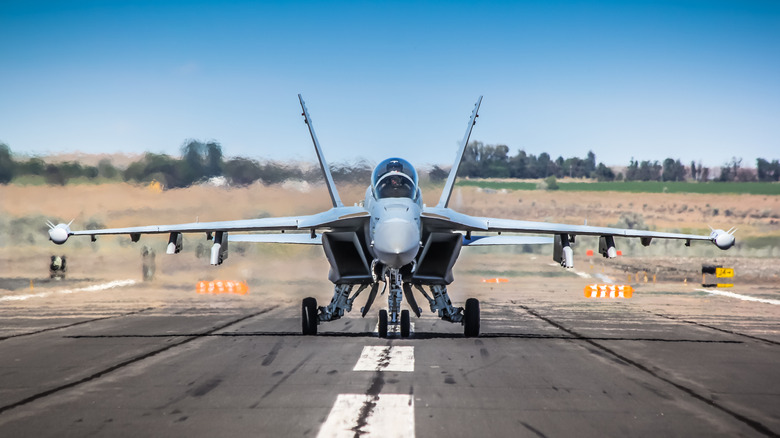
393, 316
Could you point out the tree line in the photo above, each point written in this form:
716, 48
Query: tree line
493, 161
201, 161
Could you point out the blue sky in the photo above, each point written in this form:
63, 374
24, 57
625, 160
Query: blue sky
695, 80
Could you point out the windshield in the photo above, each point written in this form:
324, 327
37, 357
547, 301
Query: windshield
394, 178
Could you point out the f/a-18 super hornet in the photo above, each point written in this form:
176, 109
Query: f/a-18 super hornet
392, 238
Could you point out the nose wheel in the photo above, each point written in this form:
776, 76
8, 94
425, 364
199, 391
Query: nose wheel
383, 323
405, 324
404, 321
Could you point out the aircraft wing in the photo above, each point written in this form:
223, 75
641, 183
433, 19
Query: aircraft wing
293, 238
445, 218
333, 218
506, 240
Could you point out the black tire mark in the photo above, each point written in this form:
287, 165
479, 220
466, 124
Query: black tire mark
419, 335
283, 379
271, 356
127, 362
60, 327
731, 332
756, 425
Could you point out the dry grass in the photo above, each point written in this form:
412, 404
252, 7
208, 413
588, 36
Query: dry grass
294, 271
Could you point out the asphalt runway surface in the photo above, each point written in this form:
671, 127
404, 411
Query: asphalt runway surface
549, 363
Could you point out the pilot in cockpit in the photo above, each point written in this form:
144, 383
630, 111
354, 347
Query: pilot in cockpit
395, 178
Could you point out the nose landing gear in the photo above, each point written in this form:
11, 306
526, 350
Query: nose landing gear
392, 317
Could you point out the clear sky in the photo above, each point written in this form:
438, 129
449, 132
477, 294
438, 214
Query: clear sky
695, 80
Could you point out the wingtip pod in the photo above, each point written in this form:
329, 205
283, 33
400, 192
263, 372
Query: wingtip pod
723, 239
59, 233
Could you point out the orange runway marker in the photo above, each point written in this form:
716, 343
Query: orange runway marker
609, 291
495, 280
222, 287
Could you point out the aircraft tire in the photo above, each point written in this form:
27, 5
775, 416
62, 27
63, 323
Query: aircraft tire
309, 319
383, 323
405, 324
471, 318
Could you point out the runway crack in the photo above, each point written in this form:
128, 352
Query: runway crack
754, 424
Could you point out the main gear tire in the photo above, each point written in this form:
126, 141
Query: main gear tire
309, 320
471, 318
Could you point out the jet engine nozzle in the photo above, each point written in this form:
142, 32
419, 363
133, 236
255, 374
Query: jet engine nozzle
396, 242
59, 233
723, 239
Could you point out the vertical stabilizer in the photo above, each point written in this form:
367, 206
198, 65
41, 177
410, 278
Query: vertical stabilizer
334, 194
447, 193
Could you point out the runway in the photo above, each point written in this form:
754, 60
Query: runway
670, 362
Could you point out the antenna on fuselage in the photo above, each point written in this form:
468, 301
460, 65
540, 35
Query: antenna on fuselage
334, 194
447, 192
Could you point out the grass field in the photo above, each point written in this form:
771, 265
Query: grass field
751, 188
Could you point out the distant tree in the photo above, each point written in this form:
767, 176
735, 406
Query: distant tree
649, 171
54, 175
673, 170
355, 173
729, 171
767, 171
632, 171
242, 171
437, 174
7, 164
33, 166
604, 173
213, 159
544, 165
106, 169
90, 172
518, 165
589, 163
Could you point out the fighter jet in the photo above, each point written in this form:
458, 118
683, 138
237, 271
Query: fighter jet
394, 239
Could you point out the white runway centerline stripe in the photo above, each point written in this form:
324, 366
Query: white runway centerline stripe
93, 288
739, 296
383, 415
379, 358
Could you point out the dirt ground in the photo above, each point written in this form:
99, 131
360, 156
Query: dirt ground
25, 251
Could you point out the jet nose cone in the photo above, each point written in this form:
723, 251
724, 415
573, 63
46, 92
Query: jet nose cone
396, 242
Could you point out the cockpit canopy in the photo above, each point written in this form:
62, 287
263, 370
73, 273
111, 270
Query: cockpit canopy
394, 178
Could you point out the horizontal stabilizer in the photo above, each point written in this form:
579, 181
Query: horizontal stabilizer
507, 240
294, 238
